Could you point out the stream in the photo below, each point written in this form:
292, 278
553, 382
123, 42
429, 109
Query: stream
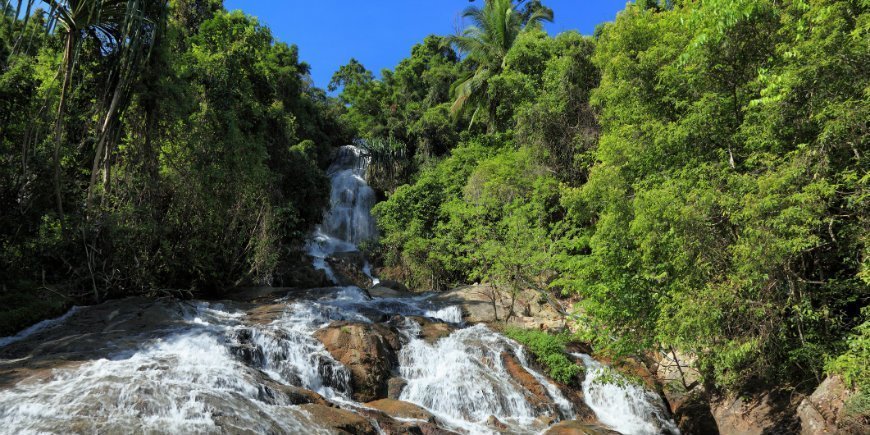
169, 366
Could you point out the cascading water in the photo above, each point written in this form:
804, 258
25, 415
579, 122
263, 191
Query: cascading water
617, 402
166, 366
462, 379
348, 221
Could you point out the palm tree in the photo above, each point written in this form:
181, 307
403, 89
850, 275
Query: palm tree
485, 43
121, 26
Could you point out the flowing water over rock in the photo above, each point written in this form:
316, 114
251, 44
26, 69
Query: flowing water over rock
168, 366
348, 221
621, 404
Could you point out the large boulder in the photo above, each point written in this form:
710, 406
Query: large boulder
298, 271
340, 420
764, 413
692, 413
822, 412
369, 351
348, 269
395, 386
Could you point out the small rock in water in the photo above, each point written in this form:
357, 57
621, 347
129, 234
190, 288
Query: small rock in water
395, 386
494, 423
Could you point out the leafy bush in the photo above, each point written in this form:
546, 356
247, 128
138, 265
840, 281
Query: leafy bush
852, 365
549, 350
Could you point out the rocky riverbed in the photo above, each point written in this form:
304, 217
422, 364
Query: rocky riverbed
330, 360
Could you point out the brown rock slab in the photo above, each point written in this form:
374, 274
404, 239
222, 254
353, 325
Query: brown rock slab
574, 427
536, 393
289, 394
401, 409
394, 285
340, 419
379, 291
391, 426
369, 351
494, 423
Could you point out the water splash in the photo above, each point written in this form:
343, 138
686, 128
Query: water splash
624, 406
41, 326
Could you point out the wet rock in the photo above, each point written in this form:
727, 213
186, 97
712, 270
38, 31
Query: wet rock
115, 327
582, 411
298, 271
394, 285
245, 350
536, 393
432, 331
401, 409
339, 419
395, 386
822, 411
392, 426
280, 394
574, 427
348, 269
369, 351
494, 423
265, 314
379, 291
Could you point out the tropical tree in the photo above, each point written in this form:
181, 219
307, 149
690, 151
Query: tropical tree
124, 28
485, 43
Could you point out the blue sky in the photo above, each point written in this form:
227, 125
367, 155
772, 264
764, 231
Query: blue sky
380, 33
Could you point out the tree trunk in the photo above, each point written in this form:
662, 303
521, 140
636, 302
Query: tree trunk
105, 132
61, 108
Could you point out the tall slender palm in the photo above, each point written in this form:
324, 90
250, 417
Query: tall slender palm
120, 26
485, 43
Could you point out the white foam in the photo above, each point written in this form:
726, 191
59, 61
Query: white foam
624, 406
41, 326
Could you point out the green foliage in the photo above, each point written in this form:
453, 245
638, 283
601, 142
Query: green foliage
720, 216
496, 27
190, 156
549, 350
22, 308
695, 175
852, 364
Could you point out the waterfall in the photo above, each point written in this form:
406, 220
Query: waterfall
167, 366
348, 220
621, 404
